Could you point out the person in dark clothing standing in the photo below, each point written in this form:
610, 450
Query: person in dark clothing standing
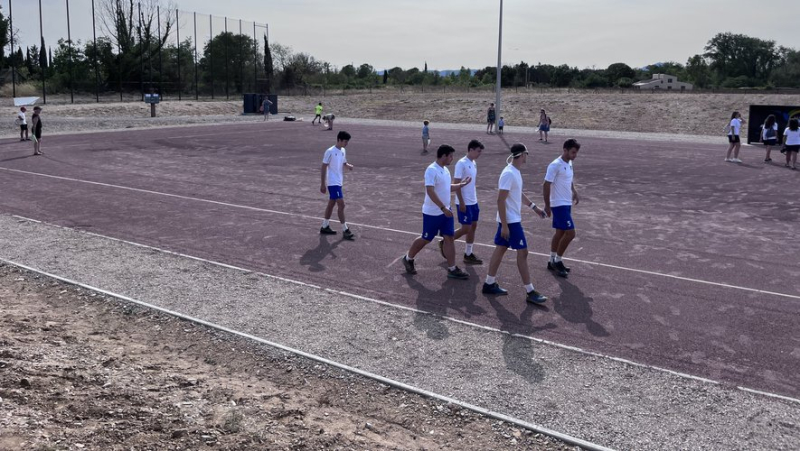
36, 123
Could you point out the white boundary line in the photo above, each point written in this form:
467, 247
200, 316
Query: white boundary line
298, 215
391, 382
411, 309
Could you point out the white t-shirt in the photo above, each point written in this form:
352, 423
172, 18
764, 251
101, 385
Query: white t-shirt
764, 132
792, 137
439, 178
736, 125
467, 168
335, 158
559, 174
22, 120
511, 180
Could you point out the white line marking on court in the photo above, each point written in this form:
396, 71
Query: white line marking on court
402, 307
386, 229
394, 262
397, 384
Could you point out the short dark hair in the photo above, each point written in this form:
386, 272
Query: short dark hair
793, 124
572, 144
444, 149
518, 149
343, 136
474, 144
734, 114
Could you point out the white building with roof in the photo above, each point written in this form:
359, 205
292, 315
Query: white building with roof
663, 81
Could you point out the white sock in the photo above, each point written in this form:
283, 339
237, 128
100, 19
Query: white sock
529, 288
344, 226
558, 259
490, 280
553, 256
451, 268
409, 259
325, 223
468, 251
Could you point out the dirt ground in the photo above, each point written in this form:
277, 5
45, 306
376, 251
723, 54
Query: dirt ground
82, 371
633, 111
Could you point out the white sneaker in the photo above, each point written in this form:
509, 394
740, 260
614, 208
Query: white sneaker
729, 160
736, 160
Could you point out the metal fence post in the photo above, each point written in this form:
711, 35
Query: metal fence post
41, 39
71, 77
227, 79
13, 64
96, 68
211, 51
178, 37
196, 87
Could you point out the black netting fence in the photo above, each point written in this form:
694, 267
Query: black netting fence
110, 50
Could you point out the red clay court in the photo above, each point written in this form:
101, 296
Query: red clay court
682, 261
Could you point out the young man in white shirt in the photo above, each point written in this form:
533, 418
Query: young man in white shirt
333, 163
23, 124
510, 200
559, 194
437, 219
467, 201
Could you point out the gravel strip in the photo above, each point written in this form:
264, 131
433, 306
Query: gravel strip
596, 399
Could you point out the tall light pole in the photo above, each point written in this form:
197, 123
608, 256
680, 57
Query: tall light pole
499, 63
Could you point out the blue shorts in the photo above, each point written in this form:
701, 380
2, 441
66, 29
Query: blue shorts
470, 216
335, 192
435, 225
516, 237
562, 218
544, 128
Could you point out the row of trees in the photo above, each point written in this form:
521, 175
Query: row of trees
135, 55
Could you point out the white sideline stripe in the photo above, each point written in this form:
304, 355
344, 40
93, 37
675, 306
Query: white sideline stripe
391, 382
411, 309
298, 215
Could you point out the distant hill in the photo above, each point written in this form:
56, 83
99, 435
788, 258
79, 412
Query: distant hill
443, 73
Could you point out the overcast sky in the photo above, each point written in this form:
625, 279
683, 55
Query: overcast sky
449, 34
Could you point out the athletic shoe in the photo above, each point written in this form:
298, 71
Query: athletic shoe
457, 274
327, 230
551, 266
471, 259
559, 269
441, 247
348, 235
534, 297
736, 160
493, 289
729, 160
409, 265
766, 160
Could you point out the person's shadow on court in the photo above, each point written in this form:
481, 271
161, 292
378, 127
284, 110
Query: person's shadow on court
518, 352
434, 305
313, 257
575, 307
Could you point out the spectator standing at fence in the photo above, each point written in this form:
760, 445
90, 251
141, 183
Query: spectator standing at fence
791, 143
510, 200
500, 124
544, 124
769, 135
23, 124
332, 178
426, 136
490, 118
437, 218
36, 124
317, 113
265, 107
735, 143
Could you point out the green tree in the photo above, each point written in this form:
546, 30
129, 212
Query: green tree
4, 38
349, 71
788, 74
365, 71
698, 72
269, 70
229, 52
738, 55
617, 71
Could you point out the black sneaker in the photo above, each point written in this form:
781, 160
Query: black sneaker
348, 235
471, 259
457, 274
552, 267
493, 289
441, 247
327, 230
409, 265
534, 297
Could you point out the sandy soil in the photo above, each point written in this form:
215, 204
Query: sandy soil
79, 371
686, 113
